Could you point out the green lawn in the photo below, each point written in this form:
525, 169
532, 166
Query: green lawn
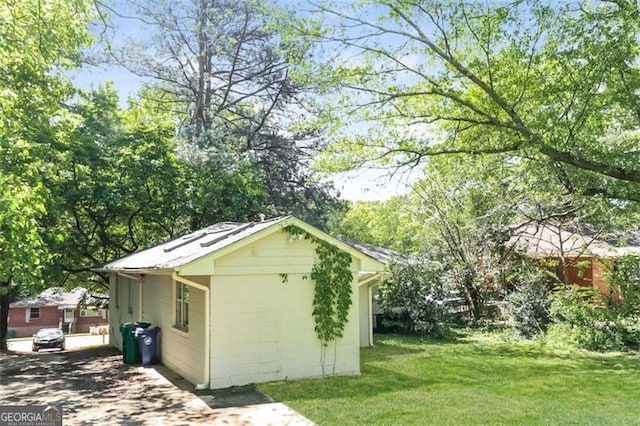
473, 380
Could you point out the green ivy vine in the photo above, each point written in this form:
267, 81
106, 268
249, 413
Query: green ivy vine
332, 276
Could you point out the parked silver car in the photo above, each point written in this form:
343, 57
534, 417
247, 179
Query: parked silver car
48, 338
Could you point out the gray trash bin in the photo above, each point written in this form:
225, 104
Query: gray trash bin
148, 345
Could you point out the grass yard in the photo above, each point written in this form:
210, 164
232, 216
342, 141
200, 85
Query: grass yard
476, 379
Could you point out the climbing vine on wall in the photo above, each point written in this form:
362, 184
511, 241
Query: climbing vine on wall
332, 276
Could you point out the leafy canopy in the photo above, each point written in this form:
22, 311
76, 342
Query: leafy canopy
552, 86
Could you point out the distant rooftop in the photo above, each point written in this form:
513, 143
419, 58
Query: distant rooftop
549, 241
53, 297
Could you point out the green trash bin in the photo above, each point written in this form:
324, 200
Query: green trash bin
11, 334
130, 353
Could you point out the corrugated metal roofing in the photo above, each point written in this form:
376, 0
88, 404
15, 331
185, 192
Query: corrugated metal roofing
190, 247
381, 254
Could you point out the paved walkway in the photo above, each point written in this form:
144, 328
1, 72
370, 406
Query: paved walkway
234, 406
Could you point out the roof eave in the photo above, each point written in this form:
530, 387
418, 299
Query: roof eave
158, 271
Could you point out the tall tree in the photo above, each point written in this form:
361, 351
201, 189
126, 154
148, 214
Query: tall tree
390, 224
222, 68
552, 85
119, 187
38, 39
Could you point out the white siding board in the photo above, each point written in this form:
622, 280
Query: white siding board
115, 339
124, 298
262, 328
364, 316
182, 352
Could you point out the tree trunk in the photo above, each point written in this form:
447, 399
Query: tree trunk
5, 299
472, 296
476, 305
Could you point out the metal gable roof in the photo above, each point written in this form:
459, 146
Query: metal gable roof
381, 254
181, 251
190, 247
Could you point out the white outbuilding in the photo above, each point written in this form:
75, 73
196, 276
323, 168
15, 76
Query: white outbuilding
234, 303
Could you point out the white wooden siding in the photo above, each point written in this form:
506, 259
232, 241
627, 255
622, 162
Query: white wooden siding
364, 317
181, 351
119, 305
262, 328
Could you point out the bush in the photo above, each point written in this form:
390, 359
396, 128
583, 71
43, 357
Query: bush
528, 305
413, 299
593, 322
624, 281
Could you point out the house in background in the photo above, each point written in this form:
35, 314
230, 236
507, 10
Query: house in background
234, 302
54, 309
578, 255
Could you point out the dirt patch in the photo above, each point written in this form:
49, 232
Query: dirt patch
95, 387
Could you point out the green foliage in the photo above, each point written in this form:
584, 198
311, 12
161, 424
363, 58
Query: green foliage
22, 252
38, 39
118, 187
550, 87
465, 224
577, 306
592, 323
413, 299
333, 279
528, 303
221, 70
388, 224
477, 379
623, 277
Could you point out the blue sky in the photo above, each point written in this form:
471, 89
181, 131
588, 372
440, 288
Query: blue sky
366, 184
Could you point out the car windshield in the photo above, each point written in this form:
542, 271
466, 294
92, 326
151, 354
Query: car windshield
49, 332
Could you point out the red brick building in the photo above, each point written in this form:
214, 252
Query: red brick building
54, 309
575, 257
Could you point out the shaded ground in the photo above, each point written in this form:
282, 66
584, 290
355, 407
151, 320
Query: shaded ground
95, 387
235, 396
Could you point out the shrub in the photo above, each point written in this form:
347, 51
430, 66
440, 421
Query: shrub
624, 280
594, 322
413, 299
528, 305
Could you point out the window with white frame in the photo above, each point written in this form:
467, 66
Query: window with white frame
182, 306
34, 313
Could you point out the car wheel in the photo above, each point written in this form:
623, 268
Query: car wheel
62, 348
34, 349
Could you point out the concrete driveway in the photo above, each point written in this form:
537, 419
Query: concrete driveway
95, 387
